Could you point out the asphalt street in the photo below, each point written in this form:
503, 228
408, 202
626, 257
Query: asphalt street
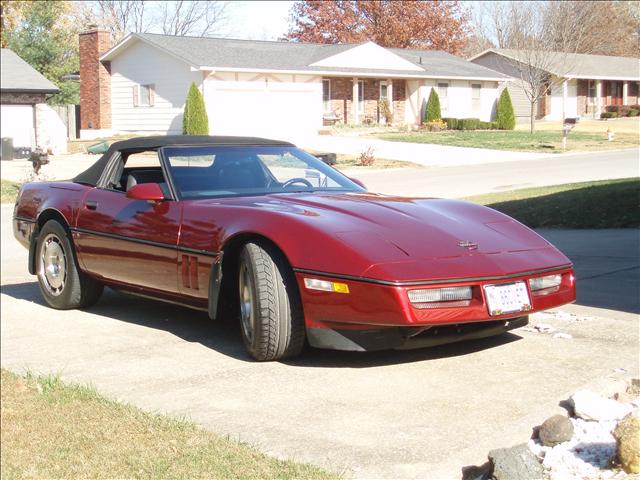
416, 414
466, 180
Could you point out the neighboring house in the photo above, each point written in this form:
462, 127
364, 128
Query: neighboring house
585, 84
278, 89
24, 116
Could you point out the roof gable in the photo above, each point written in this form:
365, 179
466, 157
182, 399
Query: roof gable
367, 55
16, 75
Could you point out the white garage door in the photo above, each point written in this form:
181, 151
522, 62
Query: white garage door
278, 114
17, 122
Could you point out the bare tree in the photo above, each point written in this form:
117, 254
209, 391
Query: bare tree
539, 51
181, 17
192, 17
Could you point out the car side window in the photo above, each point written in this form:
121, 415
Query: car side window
132, 169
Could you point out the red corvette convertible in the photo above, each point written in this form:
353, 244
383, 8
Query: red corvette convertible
261, 231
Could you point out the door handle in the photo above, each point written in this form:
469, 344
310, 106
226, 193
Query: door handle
91, 205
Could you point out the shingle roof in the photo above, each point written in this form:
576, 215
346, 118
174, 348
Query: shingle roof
16, 75
580, 65
276, 55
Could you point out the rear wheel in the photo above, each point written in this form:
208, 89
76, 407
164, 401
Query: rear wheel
62, 284
271, 318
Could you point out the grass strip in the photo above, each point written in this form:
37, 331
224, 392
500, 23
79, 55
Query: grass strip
51, 429
8, 191
598, 204
549, 141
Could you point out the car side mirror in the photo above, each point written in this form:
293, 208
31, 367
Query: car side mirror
146, 191
358, 182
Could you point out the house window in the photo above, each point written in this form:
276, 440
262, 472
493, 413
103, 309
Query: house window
384, 91
443, 93
591, 95
143, 95
360, 96
326, 94
475, 96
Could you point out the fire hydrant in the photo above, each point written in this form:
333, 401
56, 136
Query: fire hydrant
610, 134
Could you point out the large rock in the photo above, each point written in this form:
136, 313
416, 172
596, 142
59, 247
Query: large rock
555, 430
515, 463
590, 406
627, 435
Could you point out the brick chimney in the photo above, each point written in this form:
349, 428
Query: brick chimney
95, 80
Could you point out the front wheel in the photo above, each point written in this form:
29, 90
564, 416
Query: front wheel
271, 318
62, 284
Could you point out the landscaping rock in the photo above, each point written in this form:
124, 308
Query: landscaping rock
515, 463
555, 430
627, 435
590, 406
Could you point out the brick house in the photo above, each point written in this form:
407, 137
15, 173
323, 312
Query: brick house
584, 85
23, 92
276, 89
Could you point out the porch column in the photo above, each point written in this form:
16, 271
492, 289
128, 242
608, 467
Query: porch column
390, 94
354, 103
625, 93
564, 99
598, 98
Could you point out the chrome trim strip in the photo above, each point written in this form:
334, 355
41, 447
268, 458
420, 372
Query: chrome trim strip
430, 282
146, 242
23, 219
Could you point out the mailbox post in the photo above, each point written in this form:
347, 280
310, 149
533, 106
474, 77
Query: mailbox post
567, 126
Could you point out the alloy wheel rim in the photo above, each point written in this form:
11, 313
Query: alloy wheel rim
246, 303
53, 265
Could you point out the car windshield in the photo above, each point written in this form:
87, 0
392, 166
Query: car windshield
201, 172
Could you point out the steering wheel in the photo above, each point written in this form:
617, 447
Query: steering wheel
293, 181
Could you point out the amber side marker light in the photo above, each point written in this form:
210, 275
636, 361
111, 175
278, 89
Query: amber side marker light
440, 297
326, 285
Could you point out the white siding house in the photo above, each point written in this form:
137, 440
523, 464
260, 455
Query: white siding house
279, 89
148, 90
581, 85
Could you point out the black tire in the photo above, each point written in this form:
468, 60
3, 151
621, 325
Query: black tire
272, 326
62, 284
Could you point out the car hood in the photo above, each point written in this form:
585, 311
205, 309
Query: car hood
404, 238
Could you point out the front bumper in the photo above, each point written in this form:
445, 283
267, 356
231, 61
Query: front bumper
399, 338
378, 315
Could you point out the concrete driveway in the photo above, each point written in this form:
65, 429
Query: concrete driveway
418, 414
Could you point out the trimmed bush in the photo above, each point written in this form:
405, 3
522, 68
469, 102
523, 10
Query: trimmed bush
494, 125
452, 123
484, 125
195, 121
505, 116
634, 113
609, 115
432, 112
470, 123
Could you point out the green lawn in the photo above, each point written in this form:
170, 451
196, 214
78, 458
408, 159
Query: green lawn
542, 141
601, 204
8, 191
56, 430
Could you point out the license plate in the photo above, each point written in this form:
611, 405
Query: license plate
507, 298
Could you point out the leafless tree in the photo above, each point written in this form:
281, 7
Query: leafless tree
539, 50
192, 17
181, 17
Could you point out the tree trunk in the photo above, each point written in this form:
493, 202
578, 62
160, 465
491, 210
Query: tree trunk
533, 118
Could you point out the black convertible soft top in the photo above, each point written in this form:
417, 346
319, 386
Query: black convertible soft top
140, 144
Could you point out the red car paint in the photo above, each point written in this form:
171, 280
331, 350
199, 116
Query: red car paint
380, 246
